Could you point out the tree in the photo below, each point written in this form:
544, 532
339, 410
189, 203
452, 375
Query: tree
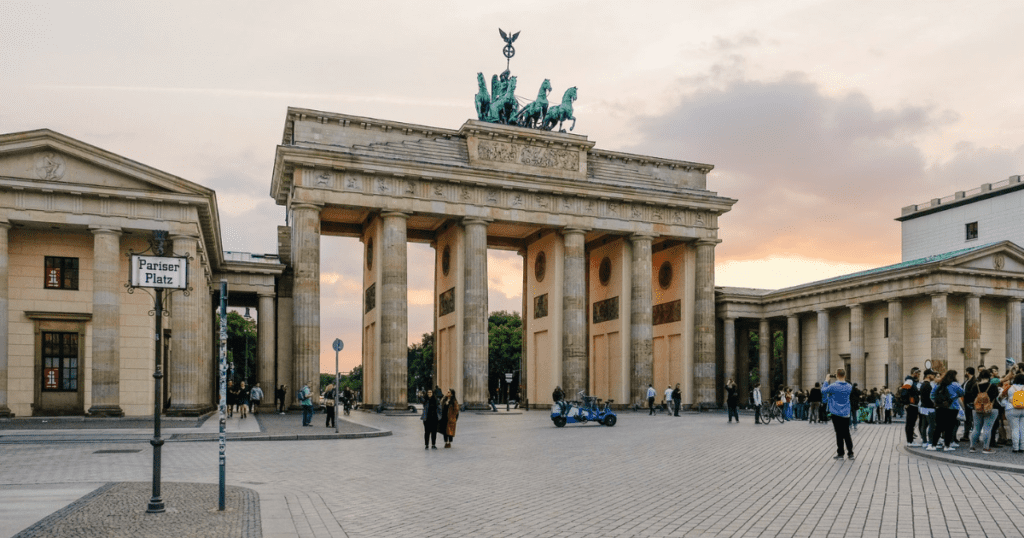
505, 340
242, 342
354, 380
420, 365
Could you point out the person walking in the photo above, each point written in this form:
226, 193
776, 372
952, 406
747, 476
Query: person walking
668, 400
910, 396
677, 398
732, 400
947, 396
651, 394
329, 407
279, 400
431, 417
926, 410
1013, 403
305, 399
838, 395
242, 399
255, 397
232, 398
970, 390
814, 399
789, 403
855, 396
449, 416
984, 394
756, 396
887, 403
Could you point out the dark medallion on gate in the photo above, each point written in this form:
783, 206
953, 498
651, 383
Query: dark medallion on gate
604, 272
667, 312
369, 253
665, 275
446, 260
540, 266
606, 310
446, 303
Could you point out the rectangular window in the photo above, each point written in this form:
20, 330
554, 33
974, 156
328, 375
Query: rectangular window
886, 327
60, 361
849, 331
972, 230
61, 273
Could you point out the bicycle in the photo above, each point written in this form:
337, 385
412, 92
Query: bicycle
770, 410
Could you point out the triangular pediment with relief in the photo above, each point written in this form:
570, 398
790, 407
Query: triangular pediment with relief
53, 160
1004, 257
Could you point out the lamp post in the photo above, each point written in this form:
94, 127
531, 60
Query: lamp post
248, 320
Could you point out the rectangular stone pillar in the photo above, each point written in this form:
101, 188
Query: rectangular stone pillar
729, 335
267, 348
704, 323
641, 330
764, 346
824, 351
793, 371
940, 333
106, 322
394, 304
972, 331
574, 313
305, 254
897, 369
475, 316
858, 366
1013, 331
743, 361
5, 262
186, 361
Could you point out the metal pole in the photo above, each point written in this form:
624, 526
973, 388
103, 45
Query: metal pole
223, 387
337, 381
156, 504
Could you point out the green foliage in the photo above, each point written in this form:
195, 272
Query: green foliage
326, 379
354, 379
420, 364
505, 340
242, 343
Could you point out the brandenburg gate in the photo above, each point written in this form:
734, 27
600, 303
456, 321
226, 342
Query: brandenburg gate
619, 250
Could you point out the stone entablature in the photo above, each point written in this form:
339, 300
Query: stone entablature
986, 190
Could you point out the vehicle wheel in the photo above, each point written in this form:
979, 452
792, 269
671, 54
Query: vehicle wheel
559, 421
610, 420
781, 417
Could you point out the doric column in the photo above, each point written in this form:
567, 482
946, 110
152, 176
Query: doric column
5, 261
305, 255
793, 377
574, 313
857, 364
940, 333
704, 323
729, 334
824, 351
1013, 329
106, 323
896, 367
474, 315
394, 299
764, 346
972, 331
185, 368
641, 330
267, 347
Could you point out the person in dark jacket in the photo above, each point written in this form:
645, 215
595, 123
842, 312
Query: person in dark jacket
814, 398
449, 416
983, 420
279, 400
855, 396
910, 396
431, 417
926, 424
732, 400
677, 398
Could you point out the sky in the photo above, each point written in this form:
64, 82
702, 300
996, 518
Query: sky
823, 118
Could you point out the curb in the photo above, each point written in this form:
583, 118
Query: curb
192, 438
959, 460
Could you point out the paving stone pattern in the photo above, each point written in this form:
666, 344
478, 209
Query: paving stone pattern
114, 510
520, 476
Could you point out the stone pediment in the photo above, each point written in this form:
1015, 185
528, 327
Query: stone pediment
1004, 257
53, 160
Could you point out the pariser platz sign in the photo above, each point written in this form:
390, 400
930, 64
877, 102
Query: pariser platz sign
159, 272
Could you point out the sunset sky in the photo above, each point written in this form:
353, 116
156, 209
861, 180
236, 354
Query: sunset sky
822, 118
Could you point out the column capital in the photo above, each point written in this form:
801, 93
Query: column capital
643, 236
399, 214
793, 316
707, 242
266, 294
574, 230
312, 206
939, 294
99, 229
5, 224
895, 300
854, 305
476, 220
820, 311
974, 295
183, 236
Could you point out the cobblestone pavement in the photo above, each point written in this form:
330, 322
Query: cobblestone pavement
520, 476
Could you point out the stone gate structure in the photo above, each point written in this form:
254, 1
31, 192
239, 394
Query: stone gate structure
618, 253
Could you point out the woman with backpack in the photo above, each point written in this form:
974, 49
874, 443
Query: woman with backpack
1013, 402
947, 397
984, 394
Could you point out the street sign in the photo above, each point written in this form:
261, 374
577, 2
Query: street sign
508, 378
338, 344
159, 272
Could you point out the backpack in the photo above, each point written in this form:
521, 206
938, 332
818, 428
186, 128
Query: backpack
905, 397
943, 400
982, 403
1018, 399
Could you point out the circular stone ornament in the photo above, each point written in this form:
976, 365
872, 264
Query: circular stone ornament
604, 272
50, 166
540, 266
446, 259
665, 275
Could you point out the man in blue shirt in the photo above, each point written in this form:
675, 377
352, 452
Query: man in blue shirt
838, 394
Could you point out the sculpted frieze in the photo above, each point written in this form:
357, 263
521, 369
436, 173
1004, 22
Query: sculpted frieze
507, 152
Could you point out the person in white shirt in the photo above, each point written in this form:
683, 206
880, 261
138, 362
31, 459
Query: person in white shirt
757, 403
651, 393
668, 398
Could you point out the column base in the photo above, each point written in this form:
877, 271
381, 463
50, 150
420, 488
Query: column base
105, 411
5, 412
187, 410
479, 406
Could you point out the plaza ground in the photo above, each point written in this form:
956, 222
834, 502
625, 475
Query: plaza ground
517, 475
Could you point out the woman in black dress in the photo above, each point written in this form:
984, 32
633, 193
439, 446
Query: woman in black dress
430, 417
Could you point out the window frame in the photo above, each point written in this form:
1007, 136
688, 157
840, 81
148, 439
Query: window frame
968, 230
67, 272
68, 363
